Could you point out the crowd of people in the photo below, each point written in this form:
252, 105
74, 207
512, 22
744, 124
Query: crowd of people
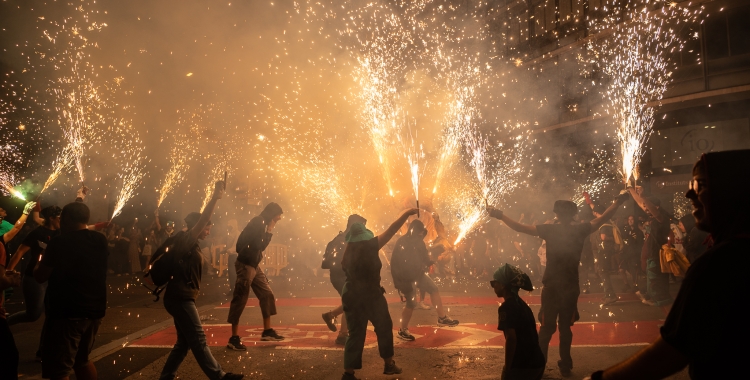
67, 261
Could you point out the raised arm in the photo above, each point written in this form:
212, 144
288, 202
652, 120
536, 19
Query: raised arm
8, 236
515, 226
22, 249
607, 215
647, 205
208, 211
386, 236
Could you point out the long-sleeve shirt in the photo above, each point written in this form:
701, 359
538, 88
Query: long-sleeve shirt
253, 241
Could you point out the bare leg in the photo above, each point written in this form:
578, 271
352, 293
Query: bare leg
337, 311
235, 330
406, 317
267, 323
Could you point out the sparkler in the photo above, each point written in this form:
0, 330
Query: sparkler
413, 156
636, 59
179, 164
62, 163
8, 157
132, 172
597, 172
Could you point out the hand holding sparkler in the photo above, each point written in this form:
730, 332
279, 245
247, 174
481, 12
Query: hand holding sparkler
495, 213
623, 196
29, 206
82, 192
219, 190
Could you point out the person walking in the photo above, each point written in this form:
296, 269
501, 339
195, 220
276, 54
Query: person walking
701, 330
657, 283
632, 237
182, 291
363, 296
250, 246
560, 293
524, 359
74, 264
332, 261
408, 263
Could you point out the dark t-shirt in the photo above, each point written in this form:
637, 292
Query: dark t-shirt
408, 261
335, 250
186, 281
77, 287
564, 246
517, 315
705, 323
362, 266
40, 234
3, 259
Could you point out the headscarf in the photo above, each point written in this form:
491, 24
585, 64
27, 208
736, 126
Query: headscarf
358, 232
513, 277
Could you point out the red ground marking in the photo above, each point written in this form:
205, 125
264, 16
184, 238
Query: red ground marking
468, 335
447, 300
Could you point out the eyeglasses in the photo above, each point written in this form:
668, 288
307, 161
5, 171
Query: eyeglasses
697, 184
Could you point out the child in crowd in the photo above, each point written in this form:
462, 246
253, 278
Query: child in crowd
523, 356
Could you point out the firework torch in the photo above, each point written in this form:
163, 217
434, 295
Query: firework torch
225, 180
417, 207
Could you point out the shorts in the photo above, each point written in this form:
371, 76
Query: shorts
66, 344
559, 305
424, 282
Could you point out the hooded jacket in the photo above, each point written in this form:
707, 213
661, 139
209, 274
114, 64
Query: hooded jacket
254, 239
703, 322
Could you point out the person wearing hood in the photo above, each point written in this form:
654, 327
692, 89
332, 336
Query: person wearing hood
524, 359
363, 296
251, 243
702, 330
695, 239
332, 261
560, 293
409, 261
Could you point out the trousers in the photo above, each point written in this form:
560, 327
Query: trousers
249, 277
361, 306
190, 336
559, 307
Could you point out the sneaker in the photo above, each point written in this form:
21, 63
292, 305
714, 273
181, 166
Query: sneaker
330, 321
271, 335
348, 376
341, 339
235, 344
447, 321
404, 334
233, 376
423, 306
392, 368
608, 301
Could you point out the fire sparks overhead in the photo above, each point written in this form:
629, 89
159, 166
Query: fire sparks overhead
634, 55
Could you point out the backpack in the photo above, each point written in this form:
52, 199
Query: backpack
162, 266
329, 256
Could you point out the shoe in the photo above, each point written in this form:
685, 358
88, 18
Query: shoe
392, 369
564, 370
648, 302
608, 301
348, 376
271, 335
404, 334
330, 321
421, 305
447, 321
341, 340
235, 344
233, 376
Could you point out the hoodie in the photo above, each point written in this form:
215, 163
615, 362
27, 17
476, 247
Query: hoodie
704, 323
254, 238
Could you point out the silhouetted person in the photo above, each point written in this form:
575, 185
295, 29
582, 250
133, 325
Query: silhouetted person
702, 329
565, 241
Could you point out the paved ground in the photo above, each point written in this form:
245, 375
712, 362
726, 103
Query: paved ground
136, 335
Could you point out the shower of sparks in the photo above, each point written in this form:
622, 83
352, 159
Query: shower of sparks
179, 165
324, 185
9, 158
636, 58
131, 172
62, 163
217, 174
682, 206
596, 174
413, 157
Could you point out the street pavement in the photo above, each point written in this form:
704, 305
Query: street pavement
136, 335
